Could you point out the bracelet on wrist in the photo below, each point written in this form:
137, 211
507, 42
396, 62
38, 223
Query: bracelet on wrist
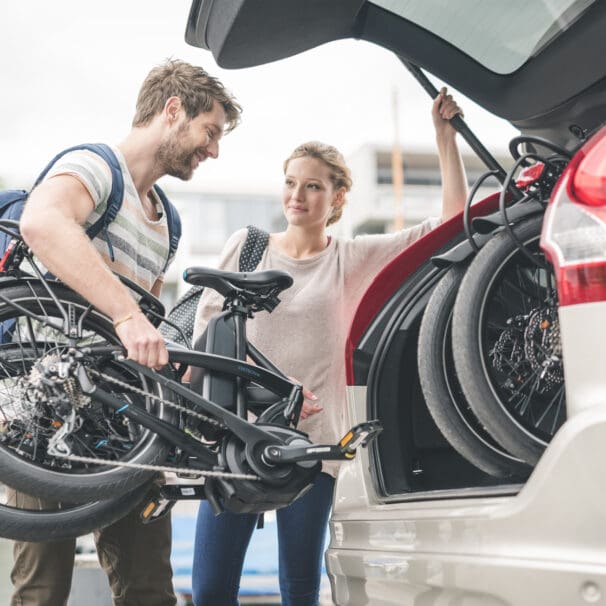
126, 318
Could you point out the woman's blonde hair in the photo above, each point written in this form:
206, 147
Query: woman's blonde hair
340, 175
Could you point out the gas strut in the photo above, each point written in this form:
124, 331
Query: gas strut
458, 124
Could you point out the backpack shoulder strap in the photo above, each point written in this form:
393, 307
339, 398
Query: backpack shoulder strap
253, 249
174, 224
114, 202
116, 195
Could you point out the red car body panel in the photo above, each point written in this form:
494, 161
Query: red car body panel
389, 279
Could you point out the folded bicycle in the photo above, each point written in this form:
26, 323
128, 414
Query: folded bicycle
90, 432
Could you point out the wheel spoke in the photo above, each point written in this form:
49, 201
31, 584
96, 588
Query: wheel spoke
558, 417
520, 357
40, 398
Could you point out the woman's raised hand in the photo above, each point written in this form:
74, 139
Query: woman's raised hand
443, 110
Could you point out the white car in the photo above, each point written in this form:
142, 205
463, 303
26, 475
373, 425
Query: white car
481, 347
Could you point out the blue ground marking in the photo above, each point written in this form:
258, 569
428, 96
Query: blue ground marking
260, 575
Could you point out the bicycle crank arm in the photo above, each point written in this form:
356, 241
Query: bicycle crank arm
165, 430
360, 435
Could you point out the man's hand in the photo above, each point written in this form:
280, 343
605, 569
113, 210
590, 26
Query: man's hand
143, 342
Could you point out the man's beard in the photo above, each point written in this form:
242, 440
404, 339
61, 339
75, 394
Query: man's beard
174, 159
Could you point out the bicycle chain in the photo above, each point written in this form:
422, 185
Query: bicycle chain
161, 468
146, 394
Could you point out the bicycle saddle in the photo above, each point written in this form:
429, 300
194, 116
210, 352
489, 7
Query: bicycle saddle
227, 283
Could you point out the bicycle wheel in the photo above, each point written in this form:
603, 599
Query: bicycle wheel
442, 391
506, 343
40, 397
64, 521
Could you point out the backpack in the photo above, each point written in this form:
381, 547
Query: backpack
12, 202
183, 313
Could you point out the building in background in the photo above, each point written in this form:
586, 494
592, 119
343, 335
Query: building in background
372, 201
210, 218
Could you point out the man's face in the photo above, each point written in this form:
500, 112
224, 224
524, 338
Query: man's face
192, 141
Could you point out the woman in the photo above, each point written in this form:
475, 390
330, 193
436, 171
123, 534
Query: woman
305, 336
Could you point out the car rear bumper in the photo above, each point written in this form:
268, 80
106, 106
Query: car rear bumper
544, 545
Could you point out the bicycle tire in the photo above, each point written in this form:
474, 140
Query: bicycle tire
29, 348
443, 396
517, 396
66, 522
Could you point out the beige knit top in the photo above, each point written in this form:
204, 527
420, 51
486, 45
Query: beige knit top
305, 335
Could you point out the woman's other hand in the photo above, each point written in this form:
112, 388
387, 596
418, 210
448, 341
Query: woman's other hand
186, 378
310, 406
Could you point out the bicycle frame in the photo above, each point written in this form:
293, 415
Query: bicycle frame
240, 426
289, 395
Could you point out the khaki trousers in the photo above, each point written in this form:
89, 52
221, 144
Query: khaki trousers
135, 557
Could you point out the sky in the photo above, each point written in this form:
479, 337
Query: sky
70, 71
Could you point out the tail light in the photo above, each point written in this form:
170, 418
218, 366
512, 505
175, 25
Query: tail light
574, 232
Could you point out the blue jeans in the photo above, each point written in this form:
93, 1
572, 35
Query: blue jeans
221, 544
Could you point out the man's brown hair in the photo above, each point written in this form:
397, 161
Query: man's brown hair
193, 85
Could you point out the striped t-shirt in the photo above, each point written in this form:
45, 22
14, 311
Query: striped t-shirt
140, 245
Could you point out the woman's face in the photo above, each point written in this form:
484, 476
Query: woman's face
308, 196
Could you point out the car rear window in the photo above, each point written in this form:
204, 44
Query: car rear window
501, 35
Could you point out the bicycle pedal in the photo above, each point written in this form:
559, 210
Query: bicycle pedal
155, 509
360, 435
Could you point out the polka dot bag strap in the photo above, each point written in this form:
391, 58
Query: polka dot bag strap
253, 249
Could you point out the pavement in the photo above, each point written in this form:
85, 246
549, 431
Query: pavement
259, 583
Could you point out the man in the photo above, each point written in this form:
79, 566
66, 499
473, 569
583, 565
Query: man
181, 115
